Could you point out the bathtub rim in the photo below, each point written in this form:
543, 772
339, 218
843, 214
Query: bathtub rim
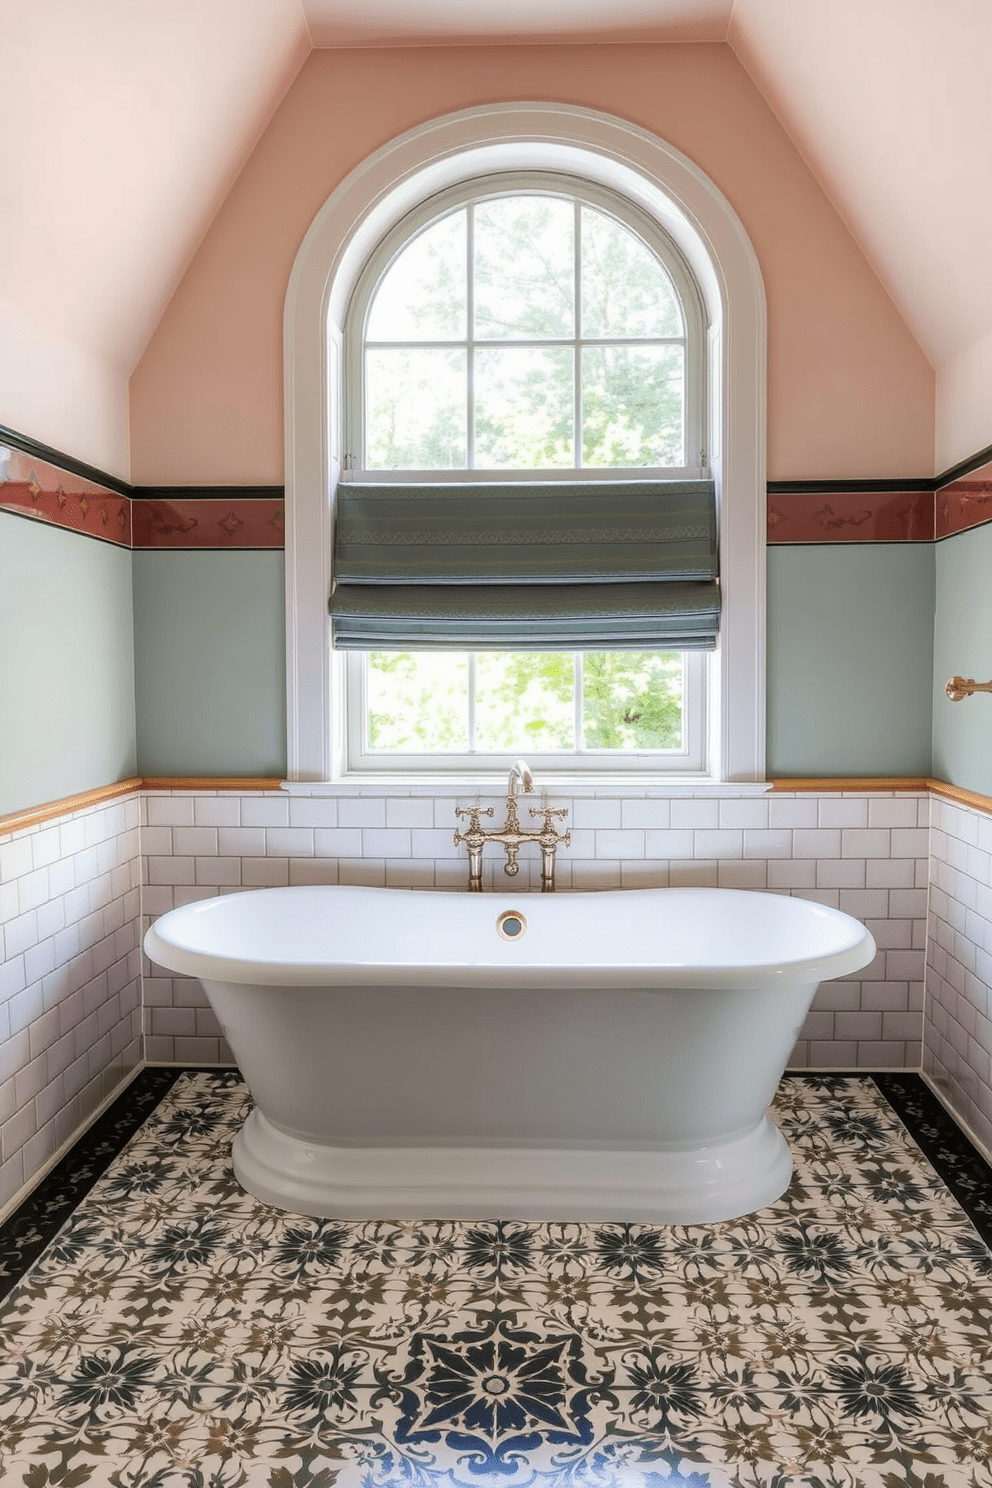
164, 947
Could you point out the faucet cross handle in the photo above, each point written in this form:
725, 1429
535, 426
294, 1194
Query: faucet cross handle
548, 812
473, 813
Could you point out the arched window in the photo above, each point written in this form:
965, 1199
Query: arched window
669, 386
532, 323
515, 329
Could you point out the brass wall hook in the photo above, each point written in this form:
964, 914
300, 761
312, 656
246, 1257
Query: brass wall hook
961, 687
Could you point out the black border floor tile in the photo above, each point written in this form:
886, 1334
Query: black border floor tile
24, 1235
959, 1164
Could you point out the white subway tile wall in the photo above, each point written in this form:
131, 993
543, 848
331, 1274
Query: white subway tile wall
958, 1051
76, 893
863, 852
70, 992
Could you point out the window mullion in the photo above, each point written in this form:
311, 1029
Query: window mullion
470, 338
472, 673
531, 341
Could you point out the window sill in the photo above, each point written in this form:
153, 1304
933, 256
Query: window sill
609, 783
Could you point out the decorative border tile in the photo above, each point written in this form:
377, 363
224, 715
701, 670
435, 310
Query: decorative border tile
209, 522
963, 504
33, 488
938, 1136
40, 482
851, 516
35, 1223
197, 517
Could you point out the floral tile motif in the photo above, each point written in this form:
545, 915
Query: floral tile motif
963, 504
176, 1333
850, 516
963, 1169
233, 520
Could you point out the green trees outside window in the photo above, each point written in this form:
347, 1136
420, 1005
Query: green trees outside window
524, 331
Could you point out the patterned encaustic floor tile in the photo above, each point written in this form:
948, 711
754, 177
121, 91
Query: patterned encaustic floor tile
162, 1329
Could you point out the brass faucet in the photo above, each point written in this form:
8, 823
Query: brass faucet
513, 836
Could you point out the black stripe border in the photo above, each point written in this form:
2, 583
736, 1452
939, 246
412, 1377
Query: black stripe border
957, 1162
36, 1222
51, 456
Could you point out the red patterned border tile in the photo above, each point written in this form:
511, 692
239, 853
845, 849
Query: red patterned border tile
209, 522
36, 489
963, 504
851, 516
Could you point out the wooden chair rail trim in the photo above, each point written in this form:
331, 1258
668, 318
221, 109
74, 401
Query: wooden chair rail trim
34, 816
829, 784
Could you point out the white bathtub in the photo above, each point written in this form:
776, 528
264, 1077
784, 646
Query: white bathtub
613, 1061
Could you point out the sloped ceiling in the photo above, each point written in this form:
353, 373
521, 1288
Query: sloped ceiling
123, 124
887, 99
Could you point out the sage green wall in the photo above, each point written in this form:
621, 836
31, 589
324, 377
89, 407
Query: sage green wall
850, 645
850, 659
962, 732
66, 664
210, 663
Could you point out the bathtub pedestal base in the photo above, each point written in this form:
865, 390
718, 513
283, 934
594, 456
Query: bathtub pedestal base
700, 1185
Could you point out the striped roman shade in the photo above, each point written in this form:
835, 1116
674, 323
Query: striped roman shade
593, 565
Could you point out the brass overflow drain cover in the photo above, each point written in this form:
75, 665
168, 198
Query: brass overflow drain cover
511, 924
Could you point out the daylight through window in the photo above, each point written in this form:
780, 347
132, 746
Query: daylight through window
525, 334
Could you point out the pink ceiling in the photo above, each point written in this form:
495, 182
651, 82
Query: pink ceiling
123, 123
888, 101
335, 23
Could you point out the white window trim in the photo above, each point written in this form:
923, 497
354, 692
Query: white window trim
358, 214
638, 223
577, 764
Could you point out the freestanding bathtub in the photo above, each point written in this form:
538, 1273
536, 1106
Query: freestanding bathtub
418, 1054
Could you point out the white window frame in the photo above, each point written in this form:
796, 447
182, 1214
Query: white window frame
359, 214
690, 757
536, 183
687, 760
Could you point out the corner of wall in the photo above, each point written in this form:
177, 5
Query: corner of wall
90, 414
963, 411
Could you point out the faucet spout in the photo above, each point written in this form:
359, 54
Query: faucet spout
520, 775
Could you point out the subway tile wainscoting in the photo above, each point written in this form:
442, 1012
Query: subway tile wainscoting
70, 989
866, 853
77, 890
957, 1053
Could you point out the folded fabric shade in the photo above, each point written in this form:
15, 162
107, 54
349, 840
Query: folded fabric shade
540, 566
